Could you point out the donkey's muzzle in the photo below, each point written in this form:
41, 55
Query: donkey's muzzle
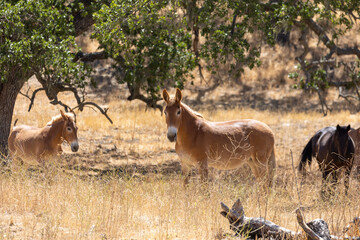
74, 147
171, 137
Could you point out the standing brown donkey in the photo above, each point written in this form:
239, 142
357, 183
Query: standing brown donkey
221, 145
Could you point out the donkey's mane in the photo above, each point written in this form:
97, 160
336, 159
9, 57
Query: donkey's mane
192, 111
59, 118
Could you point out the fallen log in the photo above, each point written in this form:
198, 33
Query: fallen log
260, 228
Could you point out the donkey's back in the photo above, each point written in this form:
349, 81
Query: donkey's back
24, 141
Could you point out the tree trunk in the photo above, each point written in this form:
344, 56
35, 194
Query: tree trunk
8, 93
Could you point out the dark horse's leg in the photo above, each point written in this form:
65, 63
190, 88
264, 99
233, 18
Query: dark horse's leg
334, 180
347, 179
329, 177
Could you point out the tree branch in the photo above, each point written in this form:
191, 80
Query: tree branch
102, 110
328, 43
300, 218
150, 102
52, 91
56, 101
233, 24
89, 57
33, 97
82, 22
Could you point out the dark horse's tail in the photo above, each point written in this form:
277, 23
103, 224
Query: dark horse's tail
306, 155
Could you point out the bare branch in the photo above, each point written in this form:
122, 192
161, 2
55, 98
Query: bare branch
300, 218
340, 84
301, 58
102, 110
200, 72
329, 62
233, 24
53, 89
353, 16
202, 91
24, 95
325, 108
82, 22
150, 102
56, 101
328, 43
89, 57
33, 97
347, 98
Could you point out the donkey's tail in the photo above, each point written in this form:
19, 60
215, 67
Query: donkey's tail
306, 155
271, 168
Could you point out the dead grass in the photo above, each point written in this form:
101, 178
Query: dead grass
125, 181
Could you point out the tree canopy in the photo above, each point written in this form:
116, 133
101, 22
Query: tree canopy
39, 37
160, 43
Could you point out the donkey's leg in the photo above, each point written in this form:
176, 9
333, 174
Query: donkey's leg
185, 169
16, 164
271, 168
262, 165
254, 168
203, 170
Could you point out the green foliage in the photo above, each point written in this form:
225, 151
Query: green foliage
148, 40
225, 40
335, 18
38, 36
154, 42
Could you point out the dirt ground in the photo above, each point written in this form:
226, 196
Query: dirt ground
132, 159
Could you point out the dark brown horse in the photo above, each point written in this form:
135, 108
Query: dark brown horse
334, 150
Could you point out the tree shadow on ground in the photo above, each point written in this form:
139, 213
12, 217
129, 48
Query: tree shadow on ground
127, 170
248, 97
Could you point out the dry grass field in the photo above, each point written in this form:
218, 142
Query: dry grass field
125, 181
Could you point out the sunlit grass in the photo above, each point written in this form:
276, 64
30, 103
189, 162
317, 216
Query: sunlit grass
147, 200
151, 207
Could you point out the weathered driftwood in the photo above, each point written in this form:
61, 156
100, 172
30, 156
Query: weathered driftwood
261, 228
316, 229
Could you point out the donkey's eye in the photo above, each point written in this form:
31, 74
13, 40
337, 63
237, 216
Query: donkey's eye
69, 129
178, 112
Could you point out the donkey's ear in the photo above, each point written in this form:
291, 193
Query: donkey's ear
338, 127
63, 115
166, 96
348, 128
178, 95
